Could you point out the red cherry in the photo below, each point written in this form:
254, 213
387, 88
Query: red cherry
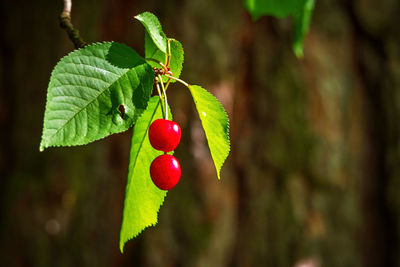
164, 135
165, 171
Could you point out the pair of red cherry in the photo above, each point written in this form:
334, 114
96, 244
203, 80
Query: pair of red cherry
165, 171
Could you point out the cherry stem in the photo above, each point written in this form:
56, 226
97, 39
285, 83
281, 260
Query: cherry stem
158, 89
159, 94
169, 52
165, 68
168, 82
165, 97
166, 59
176, 79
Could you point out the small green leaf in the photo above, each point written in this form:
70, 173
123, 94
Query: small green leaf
301, 23
300, 10
151, 51
87, 91
143, 199
153, 27
215, 123
280, 9
156, 46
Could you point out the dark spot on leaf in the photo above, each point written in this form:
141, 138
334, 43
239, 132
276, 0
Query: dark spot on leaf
121, 110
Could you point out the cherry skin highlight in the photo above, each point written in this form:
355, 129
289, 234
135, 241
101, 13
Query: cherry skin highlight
165, 172
164, 135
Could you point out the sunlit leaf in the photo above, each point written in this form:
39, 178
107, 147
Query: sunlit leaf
154, 29
93, 92
142, 198
156, 45
176, 64
215, 123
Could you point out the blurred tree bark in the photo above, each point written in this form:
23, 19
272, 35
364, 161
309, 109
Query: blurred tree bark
314, 170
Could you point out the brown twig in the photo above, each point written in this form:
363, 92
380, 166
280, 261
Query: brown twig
65, 23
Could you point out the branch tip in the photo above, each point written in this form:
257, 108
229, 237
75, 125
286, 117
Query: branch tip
65, 23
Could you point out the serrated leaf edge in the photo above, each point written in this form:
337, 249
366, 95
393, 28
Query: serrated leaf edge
228, 128
123, 242
163, 35
43, 145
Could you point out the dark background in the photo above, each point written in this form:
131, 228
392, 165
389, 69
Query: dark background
314, 173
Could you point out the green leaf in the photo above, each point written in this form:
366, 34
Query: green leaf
93, 92
301, 23
143, 199
151, 51
154, 29
280, 9
215, 124
300, 10
156, 46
